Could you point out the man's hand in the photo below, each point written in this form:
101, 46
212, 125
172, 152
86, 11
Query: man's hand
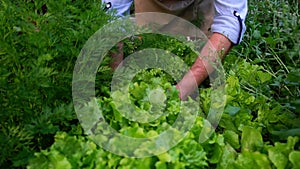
218, 46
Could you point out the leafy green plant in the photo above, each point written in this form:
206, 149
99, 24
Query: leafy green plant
41, 40
242, 139
39, 45
272, 42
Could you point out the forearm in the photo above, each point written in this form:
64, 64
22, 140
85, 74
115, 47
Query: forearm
218, 46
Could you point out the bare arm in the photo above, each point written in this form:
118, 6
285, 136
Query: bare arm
202, 68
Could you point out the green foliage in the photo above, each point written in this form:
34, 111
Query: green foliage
40, 41
242, 142
39, 129
280, 153
294, 157
272, 41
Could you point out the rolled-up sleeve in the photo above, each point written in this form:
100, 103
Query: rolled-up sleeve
122, 7
227, 21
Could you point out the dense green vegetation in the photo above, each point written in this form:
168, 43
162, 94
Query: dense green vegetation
41, 40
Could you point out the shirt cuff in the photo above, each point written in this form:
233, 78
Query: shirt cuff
229, 19
122, 7
229, 26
